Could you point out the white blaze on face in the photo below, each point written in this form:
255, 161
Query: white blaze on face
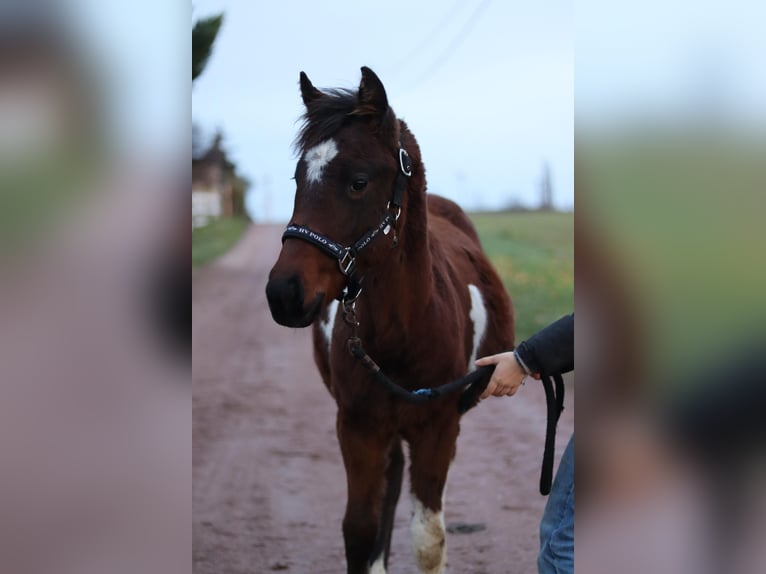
328, 325
318, 157
478, 315
428, 538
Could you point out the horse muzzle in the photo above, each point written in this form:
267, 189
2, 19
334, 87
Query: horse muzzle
286, 299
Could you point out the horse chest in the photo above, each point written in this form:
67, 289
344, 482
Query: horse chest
460, 336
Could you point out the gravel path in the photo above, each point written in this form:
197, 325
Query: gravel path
269, 485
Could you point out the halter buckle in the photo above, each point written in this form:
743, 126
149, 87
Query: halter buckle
347, 263
405, 163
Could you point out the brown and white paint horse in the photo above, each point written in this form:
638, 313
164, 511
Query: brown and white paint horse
431, 303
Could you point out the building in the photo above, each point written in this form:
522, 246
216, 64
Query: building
212, 185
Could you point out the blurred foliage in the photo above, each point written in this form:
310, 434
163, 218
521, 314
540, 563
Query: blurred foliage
534, 255
37, 193
240, 186
204, 33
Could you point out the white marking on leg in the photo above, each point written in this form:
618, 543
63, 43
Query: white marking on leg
318, 157
328, 325
478, 315
428, 538
378, 566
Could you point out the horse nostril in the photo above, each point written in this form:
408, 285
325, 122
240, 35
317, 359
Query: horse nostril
294, 289
285, 295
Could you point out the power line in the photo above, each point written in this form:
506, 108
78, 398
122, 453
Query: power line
455, 44
428, 40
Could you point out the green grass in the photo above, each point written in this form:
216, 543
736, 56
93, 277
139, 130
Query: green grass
534, 254
683, 217
215, 239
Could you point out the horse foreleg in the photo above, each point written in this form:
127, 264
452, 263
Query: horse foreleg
431, 455
393, 488
365, 455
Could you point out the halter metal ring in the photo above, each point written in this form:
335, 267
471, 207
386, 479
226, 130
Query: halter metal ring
347, 263
398, 211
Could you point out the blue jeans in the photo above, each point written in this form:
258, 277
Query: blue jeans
557, 526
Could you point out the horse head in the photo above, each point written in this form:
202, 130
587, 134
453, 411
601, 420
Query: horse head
350, 181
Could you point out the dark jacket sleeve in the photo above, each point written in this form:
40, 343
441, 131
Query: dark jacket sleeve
551, 350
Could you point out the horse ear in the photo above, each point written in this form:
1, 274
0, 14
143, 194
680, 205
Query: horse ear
372, 95
308, 92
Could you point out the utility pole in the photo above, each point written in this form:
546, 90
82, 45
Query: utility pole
546, 189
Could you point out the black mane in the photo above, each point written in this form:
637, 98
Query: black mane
325, 116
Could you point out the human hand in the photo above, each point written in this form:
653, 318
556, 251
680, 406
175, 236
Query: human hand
507, 377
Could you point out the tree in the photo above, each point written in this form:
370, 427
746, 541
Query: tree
239, 189
204, 34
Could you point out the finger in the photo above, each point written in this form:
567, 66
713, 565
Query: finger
484, 361
490, 390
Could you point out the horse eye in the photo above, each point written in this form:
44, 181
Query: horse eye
358, 184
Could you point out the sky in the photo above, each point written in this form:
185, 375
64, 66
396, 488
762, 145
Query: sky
485, 86
673, 62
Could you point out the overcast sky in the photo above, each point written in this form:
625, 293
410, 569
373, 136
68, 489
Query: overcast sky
672, 62
485, 86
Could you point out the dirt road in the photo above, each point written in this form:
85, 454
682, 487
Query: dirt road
269, 485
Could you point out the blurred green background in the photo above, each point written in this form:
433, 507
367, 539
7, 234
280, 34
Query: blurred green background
682, 213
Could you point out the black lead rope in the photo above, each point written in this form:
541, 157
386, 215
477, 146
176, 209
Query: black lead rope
418, 396
554, 399
475, 381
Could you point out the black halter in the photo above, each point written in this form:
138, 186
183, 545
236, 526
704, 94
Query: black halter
346, 256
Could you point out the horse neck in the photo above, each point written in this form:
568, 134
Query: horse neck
398, 292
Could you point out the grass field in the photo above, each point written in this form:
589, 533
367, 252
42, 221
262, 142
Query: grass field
215, 239
534, 254
682, 214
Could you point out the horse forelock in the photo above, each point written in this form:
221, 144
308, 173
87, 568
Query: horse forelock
325, 116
